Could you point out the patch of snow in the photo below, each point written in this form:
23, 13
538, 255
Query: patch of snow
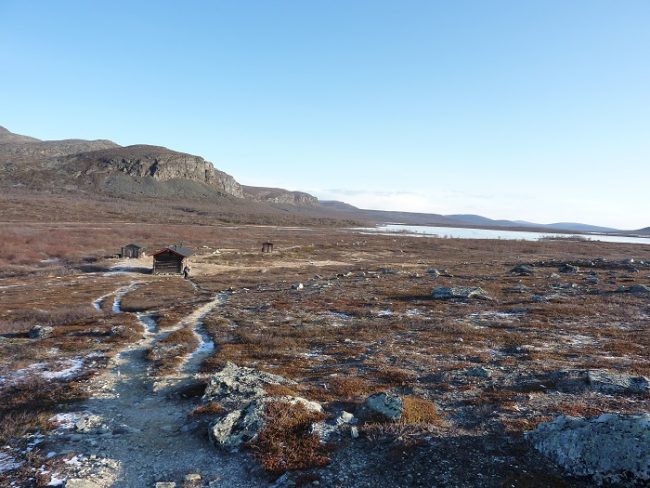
67, 421
55, 481
413, 312
74, 365
336, 315
8, 463
385, 313
148, 322
119, 295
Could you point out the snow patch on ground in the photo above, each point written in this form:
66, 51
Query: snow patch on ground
116, 308
8, 463
74, 366
148, 322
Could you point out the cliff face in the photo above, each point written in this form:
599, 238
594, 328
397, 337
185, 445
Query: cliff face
101, 166
280, 196
156, 162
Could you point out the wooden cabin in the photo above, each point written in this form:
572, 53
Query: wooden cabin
267, 247
171, 260
133, 251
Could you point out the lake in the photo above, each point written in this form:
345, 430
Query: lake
467, 233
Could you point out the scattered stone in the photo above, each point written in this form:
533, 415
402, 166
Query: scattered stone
384, 405
236, 386
523, 270
326, 430
165, 484
298, 286
354, 432
88, 424
40, 332
388, 271
460, 292
612, 448
568, 269
433, 273
518, 288
600, 381
345, 418
192, 478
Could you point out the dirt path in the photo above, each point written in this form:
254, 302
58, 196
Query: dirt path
141, 428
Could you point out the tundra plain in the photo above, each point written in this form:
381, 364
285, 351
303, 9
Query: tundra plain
110, 388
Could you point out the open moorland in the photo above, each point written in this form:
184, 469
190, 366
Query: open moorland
261, 369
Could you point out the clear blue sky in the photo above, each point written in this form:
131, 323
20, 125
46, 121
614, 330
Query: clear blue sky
536, 110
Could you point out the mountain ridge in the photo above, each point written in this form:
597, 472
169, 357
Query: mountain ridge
89, 167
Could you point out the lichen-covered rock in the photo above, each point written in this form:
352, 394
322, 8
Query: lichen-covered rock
600, 381
241, 426
384, 406
236, 386
459, 292
612, 448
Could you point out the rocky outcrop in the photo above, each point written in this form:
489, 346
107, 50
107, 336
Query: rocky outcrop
280, 196
459, 293
158, 163
40, 332
598, 380
243, 425
522, 270
235, 386
612, 448
242, 392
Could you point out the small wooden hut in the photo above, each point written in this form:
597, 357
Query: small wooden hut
171, 260
267, 247
133, 251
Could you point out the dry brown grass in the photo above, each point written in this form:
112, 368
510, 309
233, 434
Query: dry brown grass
210, 408
285, 442
348, 387
169, 352
420, 411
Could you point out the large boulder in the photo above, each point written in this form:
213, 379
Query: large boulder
40, 331
459, 293
236, 386
612, 448
383, 407
243, 425
523, 270
600, 381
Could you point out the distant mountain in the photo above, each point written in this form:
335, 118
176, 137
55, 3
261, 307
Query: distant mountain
484, 221
565, 226
579, 227
644, 231
140, 170
101, 168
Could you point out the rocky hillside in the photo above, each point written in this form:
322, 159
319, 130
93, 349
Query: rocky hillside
280, 196
141, 170
142, 162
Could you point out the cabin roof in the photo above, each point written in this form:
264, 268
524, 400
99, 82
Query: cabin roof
181, 251
133, 244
